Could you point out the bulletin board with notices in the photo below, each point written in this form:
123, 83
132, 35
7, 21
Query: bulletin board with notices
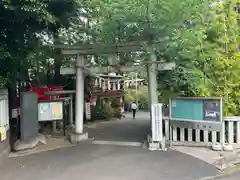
204, 113
50, 110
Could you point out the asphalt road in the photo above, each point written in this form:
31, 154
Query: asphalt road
104, 162
109, 162
231, 176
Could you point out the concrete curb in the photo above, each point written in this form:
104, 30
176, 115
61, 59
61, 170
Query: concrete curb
33, 151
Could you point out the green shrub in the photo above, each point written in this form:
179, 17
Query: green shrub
141, 96
108, 112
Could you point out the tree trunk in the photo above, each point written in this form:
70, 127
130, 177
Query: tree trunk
57, 62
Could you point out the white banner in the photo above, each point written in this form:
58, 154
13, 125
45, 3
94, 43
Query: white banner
88, 110
157, 131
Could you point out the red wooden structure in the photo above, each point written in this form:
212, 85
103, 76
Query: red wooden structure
41, 90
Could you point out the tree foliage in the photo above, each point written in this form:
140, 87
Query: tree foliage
21, 23
213, 69
202, 37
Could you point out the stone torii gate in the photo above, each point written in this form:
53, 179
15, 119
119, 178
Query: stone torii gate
83, 67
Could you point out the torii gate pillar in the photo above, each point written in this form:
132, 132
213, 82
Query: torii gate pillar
79, 135
79, 95
157, 141
152, 80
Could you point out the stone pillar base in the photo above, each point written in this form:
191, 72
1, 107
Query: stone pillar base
76, 138
30, 143
156, 145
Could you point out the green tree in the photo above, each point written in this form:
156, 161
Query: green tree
21, 22
223, 69
210, 67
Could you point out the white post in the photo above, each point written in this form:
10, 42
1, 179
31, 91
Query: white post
174, 132
79, 95
190, 135
114, 85
109, 84
104, 85
96, 82
238, 133
230, 132
182, 134
99, 83
214, 137
118, 85
197, 135
205, 136
157, 134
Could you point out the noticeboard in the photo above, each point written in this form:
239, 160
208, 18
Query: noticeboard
196, 109
211, 110
50, 110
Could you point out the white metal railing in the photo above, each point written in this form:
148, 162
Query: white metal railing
197, 137
232, 129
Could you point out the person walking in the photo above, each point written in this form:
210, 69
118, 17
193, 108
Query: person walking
134, 109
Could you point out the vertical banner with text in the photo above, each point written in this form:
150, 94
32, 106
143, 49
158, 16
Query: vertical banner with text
157, 132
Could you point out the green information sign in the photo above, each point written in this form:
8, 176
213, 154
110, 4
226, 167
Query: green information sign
196, 109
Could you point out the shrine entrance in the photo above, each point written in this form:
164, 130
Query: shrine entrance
83, 66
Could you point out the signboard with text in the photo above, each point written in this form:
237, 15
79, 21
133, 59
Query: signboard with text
196, 113
196, 108
50, 110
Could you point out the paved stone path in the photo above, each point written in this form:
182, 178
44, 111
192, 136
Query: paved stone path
125, 130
